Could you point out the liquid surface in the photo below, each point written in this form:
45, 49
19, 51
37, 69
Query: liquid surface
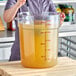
38, 46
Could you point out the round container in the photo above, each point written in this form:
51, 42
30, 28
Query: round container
38, 39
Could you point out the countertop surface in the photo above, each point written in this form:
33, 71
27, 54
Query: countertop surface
66, 30
64, 67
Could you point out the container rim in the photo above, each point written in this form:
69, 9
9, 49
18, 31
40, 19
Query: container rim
28, 14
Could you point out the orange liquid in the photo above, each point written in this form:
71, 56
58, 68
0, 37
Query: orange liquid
38, 46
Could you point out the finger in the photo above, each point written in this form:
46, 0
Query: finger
61, 22
62, 15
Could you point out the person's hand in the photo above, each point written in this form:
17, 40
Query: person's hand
62, 17
20, 2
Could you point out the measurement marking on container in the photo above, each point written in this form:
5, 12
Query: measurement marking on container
43, 56
45, 32
48, 40
42, 43
48, 25
42, 32
48, 59
43, 22
49, 49
48, 20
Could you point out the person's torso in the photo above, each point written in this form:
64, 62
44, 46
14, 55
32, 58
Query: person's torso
36, 6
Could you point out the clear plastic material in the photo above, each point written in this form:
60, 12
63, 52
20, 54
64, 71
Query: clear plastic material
38, 40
